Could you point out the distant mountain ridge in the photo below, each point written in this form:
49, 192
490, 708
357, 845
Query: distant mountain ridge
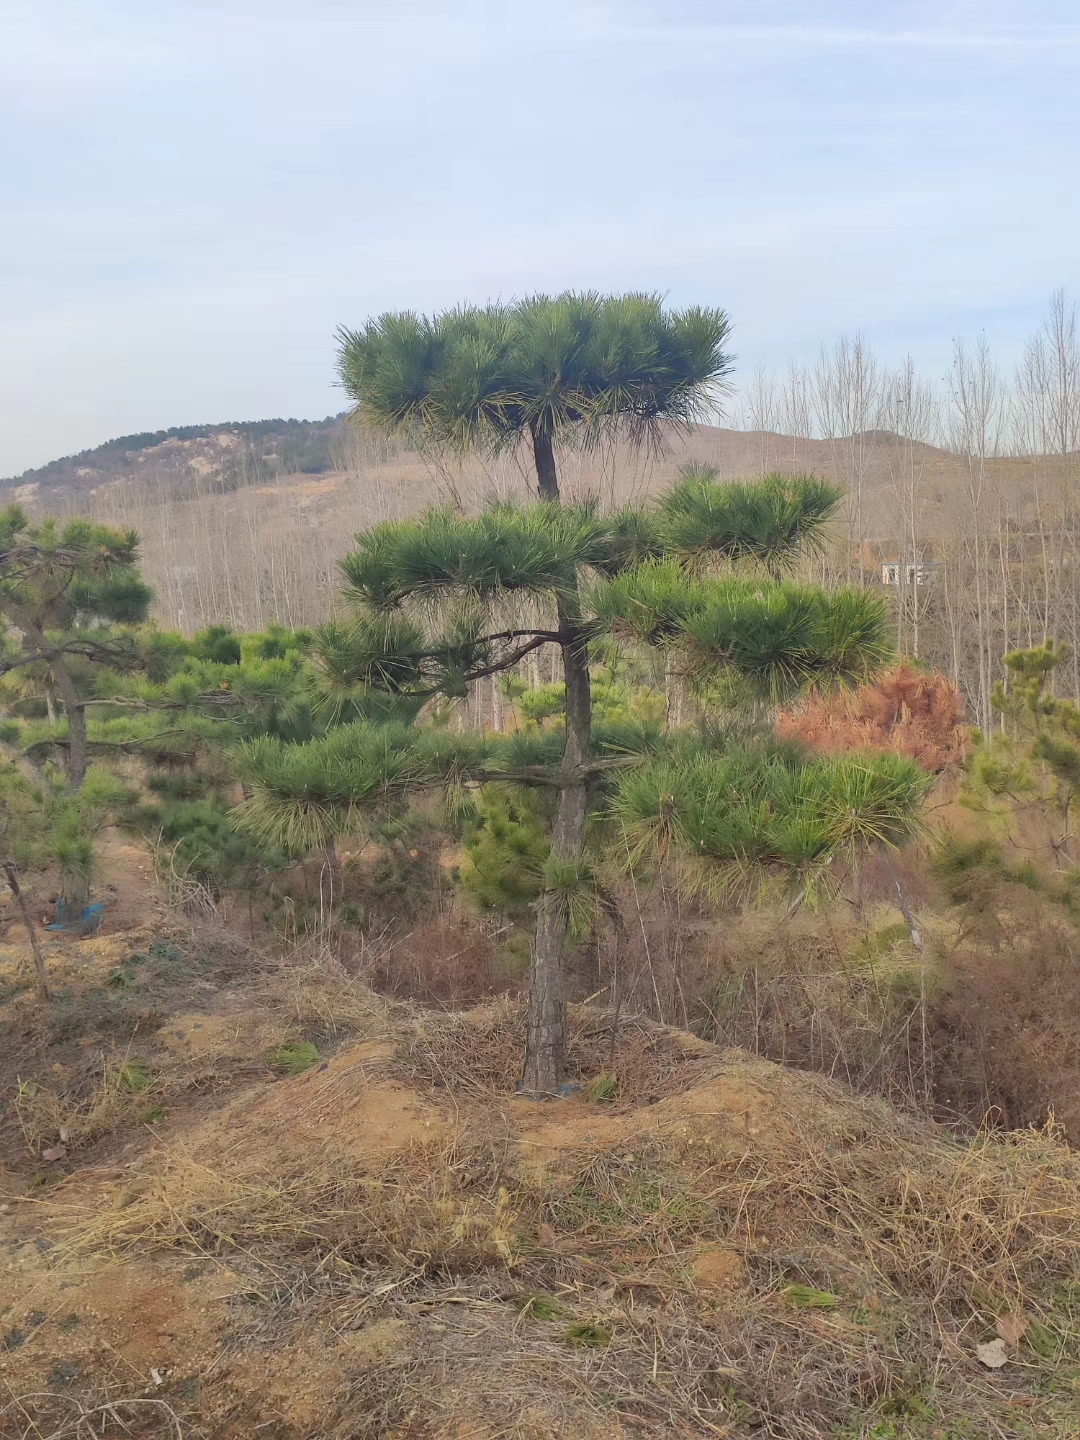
313, 461
215, 457
189, 461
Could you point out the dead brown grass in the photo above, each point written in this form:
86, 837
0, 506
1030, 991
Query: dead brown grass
138, 1040
480, 1052
705, 1244
542, 1259
47, 1415
108, 1094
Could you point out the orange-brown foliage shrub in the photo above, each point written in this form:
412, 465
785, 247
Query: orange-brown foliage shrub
909, 711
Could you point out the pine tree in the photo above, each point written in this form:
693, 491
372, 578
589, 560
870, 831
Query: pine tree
1037, 761
63, 590
437, 601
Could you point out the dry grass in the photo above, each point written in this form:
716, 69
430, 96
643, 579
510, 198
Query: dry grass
481, 1052
140, 1037
109, 1094
923, 1242
544, 1270
47, 1415
317, 996
425, 1207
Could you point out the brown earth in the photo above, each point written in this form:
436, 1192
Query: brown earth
385, 1245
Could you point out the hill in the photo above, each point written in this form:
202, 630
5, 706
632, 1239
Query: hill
199, 458
276, 499
196, 460
245, 524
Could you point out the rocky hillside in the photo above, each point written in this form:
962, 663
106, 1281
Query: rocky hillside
192, 459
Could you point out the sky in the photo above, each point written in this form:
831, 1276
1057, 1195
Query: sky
196, 193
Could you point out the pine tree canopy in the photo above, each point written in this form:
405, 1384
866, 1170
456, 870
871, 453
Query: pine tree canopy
75, 576
434, 598
771, 521
546, 366
302, 795
753, 811
507, 548
64, 588
350, 779
779, 636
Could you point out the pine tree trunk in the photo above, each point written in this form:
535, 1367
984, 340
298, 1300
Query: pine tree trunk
78, 749
331, 871
547, 477
545, 1041
74, 897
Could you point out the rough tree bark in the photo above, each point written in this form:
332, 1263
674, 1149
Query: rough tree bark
545, 1040
547, 477
78, 749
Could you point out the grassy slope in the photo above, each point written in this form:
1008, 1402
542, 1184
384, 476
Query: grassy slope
390, 1244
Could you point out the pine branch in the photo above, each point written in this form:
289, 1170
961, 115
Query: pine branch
130, 747
507, 660
28, 659
556, 776
556, 637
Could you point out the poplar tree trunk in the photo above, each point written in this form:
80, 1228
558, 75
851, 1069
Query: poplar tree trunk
545, 1040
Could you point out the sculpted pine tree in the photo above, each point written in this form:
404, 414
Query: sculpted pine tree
544, 372
435, 600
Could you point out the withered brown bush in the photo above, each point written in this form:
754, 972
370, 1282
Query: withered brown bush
911, 712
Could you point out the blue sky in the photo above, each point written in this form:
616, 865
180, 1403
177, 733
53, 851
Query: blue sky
197, 192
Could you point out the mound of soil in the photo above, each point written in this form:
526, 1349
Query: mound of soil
390, 1243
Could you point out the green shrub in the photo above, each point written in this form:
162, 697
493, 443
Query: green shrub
506, 848
295, 1057
805, 1297
594, 1337
133, 1076
604, 1088
207, 846
954, 858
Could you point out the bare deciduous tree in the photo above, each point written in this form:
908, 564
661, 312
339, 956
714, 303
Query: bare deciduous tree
847, 395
